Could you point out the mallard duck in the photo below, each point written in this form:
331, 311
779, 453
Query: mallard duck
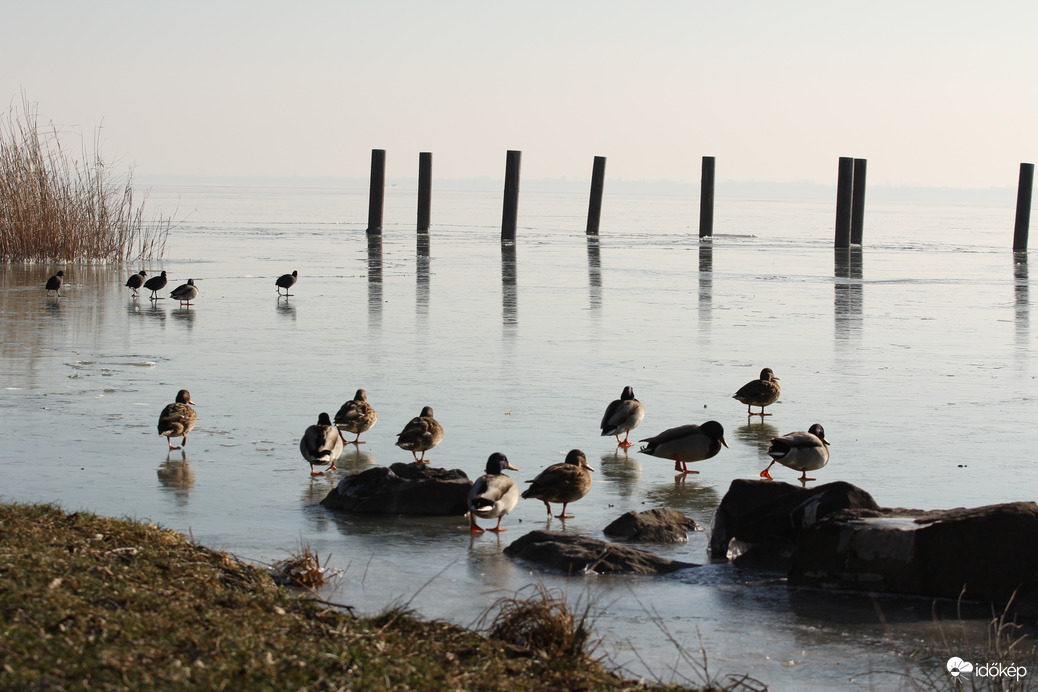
136, 281
321, 444
421, 434
286, 281
800, 451
178, 418
156, 284
622, 416
686, 443
762, 392
493, 494
356, 416
566, 482
54, 283
185, 293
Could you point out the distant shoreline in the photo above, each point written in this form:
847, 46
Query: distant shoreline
732, 189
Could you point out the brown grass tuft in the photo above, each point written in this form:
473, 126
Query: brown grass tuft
543, 624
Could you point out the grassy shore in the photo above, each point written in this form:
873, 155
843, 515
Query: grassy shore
89, 602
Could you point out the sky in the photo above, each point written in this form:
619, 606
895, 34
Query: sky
941, 94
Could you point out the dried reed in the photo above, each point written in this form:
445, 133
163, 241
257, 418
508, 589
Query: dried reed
56, 208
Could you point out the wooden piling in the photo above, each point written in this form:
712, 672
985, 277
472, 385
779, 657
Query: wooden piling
510, 210
424, 191
377, 191
844, 198
594, 209
858, 202
706, 198
1023, 207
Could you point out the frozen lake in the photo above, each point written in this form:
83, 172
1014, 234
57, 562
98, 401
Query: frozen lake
915, 353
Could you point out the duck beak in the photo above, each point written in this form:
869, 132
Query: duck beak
508, 465
825, 441
723, 442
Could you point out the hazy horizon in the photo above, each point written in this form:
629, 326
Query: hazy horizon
932, 95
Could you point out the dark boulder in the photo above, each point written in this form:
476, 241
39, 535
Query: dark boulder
983, 553
402, 489
770, 515
661, 525
572, 554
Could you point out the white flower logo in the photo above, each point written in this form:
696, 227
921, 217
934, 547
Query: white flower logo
956, 665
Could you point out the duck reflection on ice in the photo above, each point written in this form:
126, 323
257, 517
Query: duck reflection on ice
177, 476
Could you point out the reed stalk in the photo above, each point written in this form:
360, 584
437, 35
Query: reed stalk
57, 208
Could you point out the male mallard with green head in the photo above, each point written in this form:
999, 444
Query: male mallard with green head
494, 494
686, 444
321, 444
800, 451
622, 416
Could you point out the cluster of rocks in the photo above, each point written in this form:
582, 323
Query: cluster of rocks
832, 536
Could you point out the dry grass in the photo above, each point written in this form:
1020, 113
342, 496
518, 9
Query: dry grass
88, 602
56, 208
303, 569
542, 624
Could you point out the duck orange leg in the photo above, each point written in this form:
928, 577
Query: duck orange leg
681, 466
765, 474
563, 515
497, 529
473, 527
803, 476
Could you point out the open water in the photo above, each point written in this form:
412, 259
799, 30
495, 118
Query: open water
915, 352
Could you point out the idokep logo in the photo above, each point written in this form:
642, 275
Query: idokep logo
956, 666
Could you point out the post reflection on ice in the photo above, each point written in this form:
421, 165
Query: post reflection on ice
509, 285
848, 291
374, 279
594, 273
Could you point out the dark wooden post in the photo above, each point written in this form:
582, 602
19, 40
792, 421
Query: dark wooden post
843, 202
1023, 207
377, 192
706, 198
510, 211
858, 202
424, 190
594, 208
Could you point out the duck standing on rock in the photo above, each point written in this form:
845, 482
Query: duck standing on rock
800, 451
286, 281
421, 434
185, 293
494, 494
356, 416
622, 416
136, 281
321, 444
156, 284
762, 392
178, 418
686, 443
566, 482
